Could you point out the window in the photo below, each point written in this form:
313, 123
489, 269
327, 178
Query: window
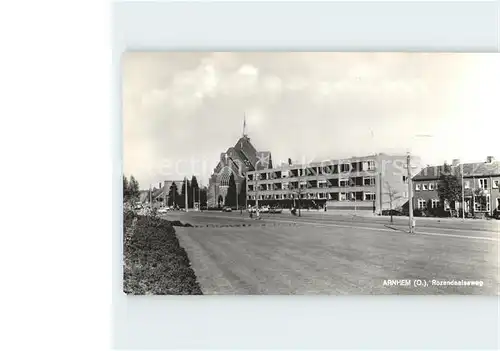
417, 187
322, 184
343, 196
424, 187
367, 181
285, 186
369, 197
343, 182
345, 167
467, 184
495, 184
482, 203
431, 186
434, 203
421, 204
483, 183
368, 165
405, 179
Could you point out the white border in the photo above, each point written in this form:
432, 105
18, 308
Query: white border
298, 322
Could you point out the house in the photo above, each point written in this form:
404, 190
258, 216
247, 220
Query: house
480, 183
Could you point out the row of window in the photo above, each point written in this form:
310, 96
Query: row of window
360, 196
480, 204
342, 183
481, 183
300, 172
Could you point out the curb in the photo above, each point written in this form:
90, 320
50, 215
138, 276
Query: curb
244, 225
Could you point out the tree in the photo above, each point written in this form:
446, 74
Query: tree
194, 191
230, 199
242, 194
172, 194
203, 196
126, 189
393, 196
134, 188
449, 188
182, 199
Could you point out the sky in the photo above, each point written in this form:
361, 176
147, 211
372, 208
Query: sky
181, 110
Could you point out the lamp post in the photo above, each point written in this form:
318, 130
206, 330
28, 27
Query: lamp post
186, 194
410, 197
463, 189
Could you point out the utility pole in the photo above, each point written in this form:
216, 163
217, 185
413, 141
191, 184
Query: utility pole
410, 195
256, 191
150, 197
186, 193
463, 190
246, 193
237, 204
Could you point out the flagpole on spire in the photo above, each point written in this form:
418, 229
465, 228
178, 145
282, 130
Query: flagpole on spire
244, 124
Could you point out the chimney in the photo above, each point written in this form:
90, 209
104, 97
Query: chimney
455, 162
490, 159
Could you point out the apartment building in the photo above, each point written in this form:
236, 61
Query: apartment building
480, 183
371, 183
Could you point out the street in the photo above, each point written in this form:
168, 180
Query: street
325, 253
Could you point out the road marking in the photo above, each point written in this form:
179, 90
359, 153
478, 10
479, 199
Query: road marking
392, 231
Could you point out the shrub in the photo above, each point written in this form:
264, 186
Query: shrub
154, 261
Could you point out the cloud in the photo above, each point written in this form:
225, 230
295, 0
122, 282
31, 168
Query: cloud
183, 105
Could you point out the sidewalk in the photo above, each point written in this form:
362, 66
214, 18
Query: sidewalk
370, 214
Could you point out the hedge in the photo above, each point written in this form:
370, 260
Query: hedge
154, 261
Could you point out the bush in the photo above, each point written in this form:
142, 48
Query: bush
419, 213
154, 261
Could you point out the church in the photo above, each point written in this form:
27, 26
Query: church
237, 160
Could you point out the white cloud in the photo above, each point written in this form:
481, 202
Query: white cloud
316, 104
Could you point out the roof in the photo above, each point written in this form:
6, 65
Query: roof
477, 169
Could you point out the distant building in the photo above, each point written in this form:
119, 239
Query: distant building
481, 180
371, 183
237, 160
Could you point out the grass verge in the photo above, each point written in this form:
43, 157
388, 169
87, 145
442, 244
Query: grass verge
154, 262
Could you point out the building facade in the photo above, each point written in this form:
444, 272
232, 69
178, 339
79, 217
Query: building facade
480, 184
236, 161
372, 183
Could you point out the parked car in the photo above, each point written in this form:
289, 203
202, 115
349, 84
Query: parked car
264, 209
496, 214
227, 209
275, 210
163, 210
392, 212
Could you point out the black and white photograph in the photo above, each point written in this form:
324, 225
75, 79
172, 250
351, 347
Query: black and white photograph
310, 173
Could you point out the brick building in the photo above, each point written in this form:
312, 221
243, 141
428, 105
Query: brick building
480, 184
237, 160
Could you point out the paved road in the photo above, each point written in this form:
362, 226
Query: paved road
328, 254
